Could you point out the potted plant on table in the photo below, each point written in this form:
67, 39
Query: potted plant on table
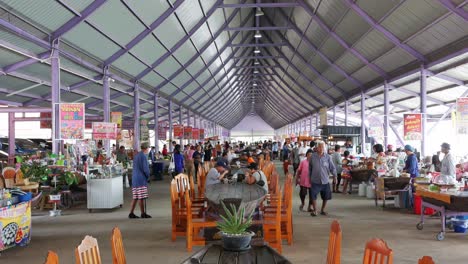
234, 234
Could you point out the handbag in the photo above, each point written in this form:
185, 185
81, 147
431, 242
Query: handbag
171, 165
260, 183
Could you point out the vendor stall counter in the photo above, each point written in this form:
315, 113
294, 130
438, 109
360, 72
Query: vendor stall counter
105, 188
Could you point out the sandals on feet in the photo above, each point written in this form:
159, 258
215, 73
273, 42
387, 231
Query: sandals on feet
132, 215
313, 213
324, 213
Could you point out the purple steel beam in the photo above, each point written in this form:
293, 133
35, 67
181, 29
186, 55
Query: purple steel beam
454, 9
446, 78
55, 86
180, 42
340, 40
24, 63
11, 138
9, 103
448, 112
389, 35
256, 67
48, 96
423, 110
187, 64
256, 57
312, 68
254, 45
144, 33
252, 5
274, 28
77, 19
386, 124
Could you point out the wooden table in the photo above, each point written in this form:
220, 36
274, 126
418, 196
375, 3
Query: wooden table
248, 195
31, 187
257, 254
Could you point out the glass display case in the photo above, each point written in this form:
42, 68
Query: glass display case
105, 187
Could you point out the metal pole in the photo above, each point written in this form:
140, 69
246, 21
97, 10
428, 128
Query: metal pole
188, 124
156, 122
170, 125
334, 116
181, 123
136, 112
423, 93
386, 113
363, 126
55, 85
106, 105
346, 113
11, 138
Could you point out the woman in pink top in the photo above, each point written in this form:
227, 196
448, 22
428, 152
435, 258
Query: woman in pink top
303, 179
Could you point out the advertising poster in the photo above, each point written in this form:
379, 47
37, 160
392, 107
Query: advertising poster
195, 133
412, 127
178, 131
162, 130
72, 121
15, 225
201, 134
102, 130
462, 116
144, 130
126, 139
188, 132
116, 117
46, 123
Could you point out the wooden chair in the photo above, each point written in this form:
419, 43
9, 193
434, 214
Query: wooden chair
88, 251
195, 225
426, 260
271, 223
52, 258
377, 252
334, 244
201, 179
118, 251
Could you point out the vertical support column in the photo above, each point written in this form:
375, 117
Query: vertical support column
55, 85
181, 123
334, 116
136, 117
188, 123
423, 93
156, 121
316, 121
11, 139
106, 105
386, 113
311, 126
170, 125
363, 125
346, 113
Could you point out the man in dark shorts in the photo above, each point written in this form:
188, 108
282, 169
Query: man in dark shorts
320, 168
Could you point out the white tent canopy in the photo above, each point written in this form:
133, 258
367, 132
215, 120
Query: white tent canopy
252, 128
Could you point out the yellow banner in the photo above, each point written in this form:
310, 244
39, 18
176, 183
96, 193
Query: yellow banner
15, 225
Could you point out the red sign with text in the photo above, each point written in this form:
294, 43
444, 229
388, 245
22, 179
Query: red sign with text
178, 131
195, 133
412, 127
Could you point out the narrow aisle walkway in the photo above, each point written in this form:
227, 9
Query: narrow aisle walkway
148, 241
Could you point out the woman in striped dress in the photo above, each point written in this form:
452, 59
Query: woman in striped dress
141, 174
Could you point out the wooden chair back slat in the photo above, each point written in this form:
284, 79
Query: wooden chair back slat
118, 251
52, 258
426, 260
377, 252
88, 251
334, 244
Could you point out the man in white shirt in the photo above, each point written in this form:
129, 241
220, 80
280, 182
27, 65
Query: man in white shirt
447, 165
302, 151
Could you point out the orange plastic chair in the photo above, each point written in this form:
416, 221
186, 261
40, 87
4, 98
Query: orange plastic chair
88, 251
334, 244
271, 224
118, 251
52, 258
377, 252
195, 225
426, 260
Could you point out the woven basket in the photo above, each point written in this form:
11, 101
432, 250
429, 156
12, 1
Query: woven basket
9, 183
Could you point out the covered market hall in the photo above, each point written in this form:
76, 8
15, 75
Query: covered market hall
234, 131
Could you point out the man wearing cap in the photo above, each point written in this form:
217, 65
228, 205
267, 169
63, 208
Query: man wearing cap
447, 165
141, 174
411, 163
216, 174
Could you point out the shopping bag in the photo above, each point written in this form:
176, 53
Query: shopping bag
171, 165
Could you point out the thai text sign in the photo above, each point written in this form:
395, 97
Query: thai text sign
201, 134
195, 133
103, 130
178, 131
162, 129
72, 121
188, 132
46, 123
116, 117
462, 116
412, 127
144, 130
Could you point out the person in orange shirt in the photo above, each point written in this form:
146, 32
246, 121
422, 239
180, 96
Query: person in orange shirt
250, 159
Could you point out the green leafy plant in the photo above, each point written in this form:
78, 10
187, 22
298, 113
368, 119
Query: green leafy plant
34, 171
235, 222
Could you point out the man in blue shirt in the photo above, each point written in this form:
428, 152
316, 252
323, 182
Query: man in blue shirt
320, 168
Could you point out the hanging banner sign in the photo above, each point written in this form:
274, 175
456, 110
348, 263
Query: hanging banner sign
46, 123
323, 116
188, 132
162, 130
178, 131
15, 225
412, 126
144, 130
72, 121
126, 139
195, 133
103, 130
201, 134
116, 117
462, 116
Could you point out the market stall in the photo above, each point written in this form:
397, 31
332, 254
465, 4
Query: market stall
105, 187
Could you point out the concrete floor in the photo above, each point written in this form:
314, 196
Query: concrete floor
148, 240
